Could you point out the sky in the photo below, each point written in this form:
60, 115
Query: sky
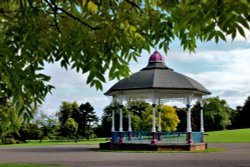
223, 68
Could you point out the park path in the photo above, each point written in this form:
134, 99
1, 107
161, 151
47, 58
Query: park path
235, 155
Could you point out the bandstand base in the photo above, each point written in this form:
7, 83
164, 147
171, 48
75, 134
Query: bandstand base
153, 147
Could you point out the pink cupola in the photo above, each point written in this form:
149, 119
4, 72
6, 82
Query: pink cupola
156, 57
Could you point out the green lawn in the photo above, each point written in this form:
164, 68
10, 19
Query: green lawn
57, 142
239, 135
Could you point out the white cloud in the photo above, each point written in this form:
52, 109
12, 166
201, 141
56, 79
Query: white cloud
210, 56
97, 99
223, 72
70, 86
63, 78
230, 82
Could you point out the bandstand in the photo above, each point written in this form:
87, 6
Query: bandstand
157, 84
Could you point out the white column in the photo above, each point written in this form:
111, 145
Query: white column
153, 123
202, 121
121, 125
113, 117
129, 122
159, 116
201, 116
129, 116
153, 116
189, 128
121, 107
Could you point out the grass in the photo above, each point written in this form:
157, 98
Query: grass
233, 136
239, 135
57, 142
27, 165
229, 136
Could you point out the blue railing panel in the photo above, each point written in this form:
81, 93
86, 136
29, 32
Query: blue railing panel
162, 137
173, 137
197, 137
141, 137
114, 137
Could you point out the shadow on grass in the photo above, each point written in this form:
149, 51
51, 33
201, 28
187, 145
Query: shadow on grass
49, 150
28, 165
209, 150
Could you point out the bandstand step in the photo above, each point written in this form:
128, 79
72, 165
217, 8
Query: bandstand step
153, 147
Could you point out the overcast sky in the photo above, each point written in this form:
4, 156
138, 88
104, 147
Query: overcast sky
222, 68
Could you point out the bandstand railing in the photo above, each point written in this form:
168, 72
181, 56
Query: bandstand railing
144, 137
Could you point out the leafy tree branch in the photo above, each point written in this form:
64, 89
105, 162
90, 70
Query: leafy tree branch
97, 37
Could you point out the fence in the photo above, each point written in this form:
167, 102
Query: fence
162, 137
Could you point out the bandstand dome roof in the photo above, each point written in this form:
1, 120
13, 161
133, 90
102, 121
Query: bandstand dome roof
157, 79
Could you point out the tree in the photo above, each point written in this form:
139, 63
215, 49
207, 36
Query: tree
86, 118
105, 128
107, 118
138, 107
70, 128
216, 114
182, 115
96, 36
48, 126
10, 122
42, 126
66, 111
246, 113
169, 119
84, 115
28, 131
234, 118
195, 116
243, 115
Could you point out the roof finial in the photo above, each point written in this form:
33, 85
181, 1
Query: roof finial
156, 57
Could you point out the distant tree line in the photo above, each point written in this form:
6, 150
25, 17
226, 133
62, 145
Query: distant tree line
74, 122
218, 115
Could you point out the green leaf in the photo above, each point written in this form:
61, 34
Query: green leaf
92, 7
211, 35
221, 35
91, 77
243, 22
233, 35
154, 2
98, 84
132, 29
95, 36
100, 77
84, 3
139, 37
241, 31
